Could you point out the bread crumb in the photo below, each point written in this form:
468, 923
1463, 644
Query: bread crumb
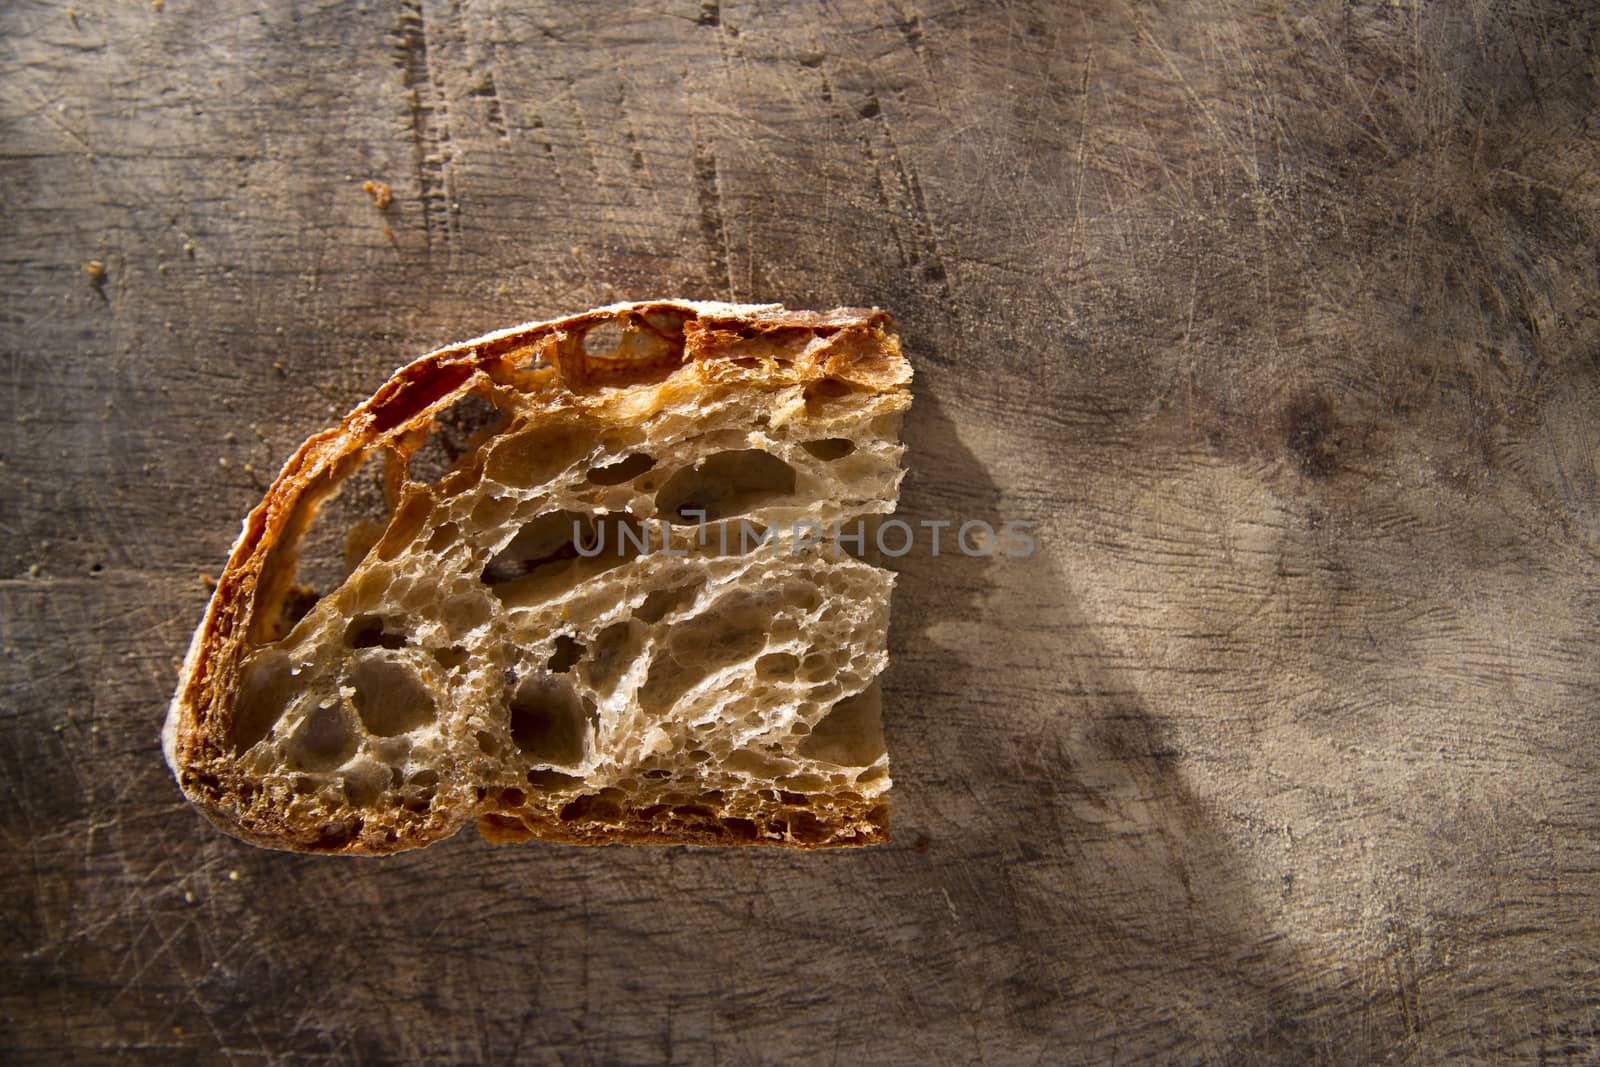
156, 5
382, 195
922, 844
96, 271
233, 876
209, 581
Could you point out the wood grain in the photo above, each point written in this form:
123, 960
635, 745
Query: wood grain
1279, 321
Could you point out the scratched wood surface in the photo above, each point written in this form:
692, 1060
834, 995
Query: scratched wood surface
1282, 323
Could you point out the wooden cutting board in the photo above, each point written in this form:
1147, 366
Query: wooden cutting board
1278, 323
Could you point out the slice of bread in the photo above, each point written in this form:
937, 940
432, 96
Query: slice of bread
590, 580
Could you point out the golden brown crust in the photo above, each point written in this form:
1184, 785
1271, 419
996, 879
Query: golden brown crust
547, 360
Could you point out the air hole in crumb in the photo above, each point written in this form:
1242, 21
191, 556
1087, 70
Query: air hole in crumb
370, 631
851, 734
776, 665
365, 782
335, 522
753, 762
487, 742
409, 518
452, 657
552, 781
389, 697
549, 723
816, 667
512, 798
741, 829
624, 470
455, 432
725, 484
443, 538
799, 800
531, 457
830, 448
464, 612
491, 512
613, 649
266, 685
807, 828
296, 605
732, 629
568, 651
545, 541
822, 395
322, 741
663, 602
802, 595
602, 340
544, 558
601, 806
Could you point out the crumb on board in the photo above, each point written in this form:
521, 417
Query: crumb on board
96, 271
382, 195
209, 581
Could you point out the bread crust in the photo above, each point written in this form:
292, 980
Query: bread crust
548, 361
